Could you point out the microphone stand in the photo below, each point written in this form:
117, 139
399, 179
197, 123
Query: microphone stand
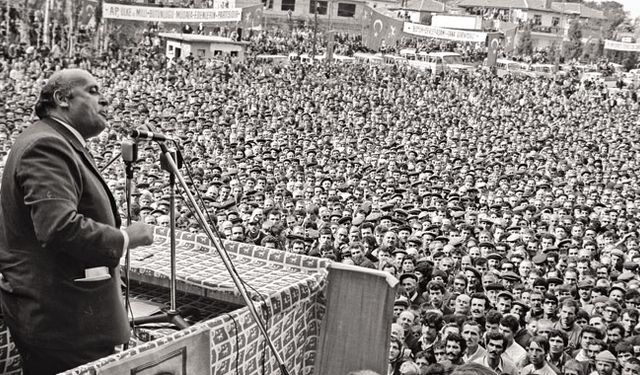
129, 152
170, 163
225, 258
173, 315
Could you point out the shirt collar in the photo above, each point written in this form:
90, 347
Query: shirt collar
73, 131
500, 367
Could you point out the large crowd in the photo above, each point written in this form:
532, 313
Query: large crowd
508, 207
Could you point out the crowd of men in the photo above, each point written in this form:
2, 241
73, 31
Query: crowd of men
508, 207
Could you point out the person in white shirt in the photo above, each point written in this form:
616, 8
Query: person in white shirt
509, 325
472, 332
493, 356
537, 354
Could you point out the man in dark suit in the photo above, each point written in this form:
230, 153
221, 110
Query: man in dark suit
58, 219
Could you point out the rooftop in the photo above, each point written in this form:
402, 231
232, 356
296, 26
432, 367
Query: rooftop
422, 6
199, 38
556, 7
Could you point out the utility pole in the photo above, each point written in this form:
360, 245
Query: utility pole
71, 5
7, 19
45, 25
315, 29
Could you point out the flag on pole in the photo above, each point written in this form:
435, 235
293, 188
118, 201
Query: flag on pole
493, 42
330, 35
380, 29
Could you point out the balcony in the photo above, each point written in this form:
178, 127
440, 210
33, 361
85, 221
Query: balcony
547, 29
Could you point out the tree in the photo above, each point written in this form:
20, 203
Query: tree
614, 16
574, 46
98, 13
25, 23
630, 60
99, 28
597, 49
525, 44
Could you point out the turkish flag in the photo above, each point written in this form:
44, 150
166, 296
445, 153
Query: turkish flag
380, 29
493, 42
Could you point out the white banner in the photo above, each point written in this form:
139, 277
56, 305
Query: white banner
442, 33
620, 46
176, 15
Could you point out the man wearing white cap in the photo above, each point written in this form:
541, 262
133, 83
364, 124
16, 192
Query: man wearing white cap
605, 363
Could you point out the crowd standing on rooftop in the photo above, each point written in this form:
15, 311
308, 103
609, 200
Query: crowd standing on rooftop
508, 207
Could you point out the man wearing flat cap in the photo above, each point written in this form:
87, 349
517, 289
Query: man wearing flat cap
606, 363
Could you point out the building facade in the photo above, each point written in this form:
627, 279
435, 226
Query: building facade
338, 14
183, 46
548, 21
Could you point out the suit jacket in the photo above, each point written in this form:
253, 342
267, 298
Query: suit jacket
58, 217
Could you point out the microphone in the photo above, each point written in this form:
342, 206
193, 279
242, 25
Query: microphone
129, 151
141, 135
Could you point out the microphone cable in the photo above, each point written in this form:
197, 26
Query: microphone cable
110, 162
220, 248
244, 284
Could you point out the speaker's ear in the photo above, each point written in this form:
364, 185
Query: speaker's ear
61, 99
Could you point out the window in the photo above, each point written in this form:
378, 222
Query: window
288, 5
200, 52
537, 19
346, 10
555, 21
322, 7
268, 4
234, 53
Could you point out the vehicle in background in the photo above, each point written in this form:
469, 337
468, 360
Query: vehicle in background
340, 59
394, 60
448, 61
631, 78
438, 62
408, 53
505, 67
368, 58
273, 59
544, 70
421, 62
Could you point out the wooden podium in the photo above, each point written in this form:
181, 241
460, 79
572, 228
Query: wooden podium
356, 328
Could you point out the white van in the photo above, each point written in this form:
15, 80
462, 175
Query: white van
273, 59
505, 67
447, 61
394, 60
368, 58
408, 53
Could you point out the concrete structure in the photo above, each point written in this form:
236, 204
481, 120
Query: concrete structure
340, 15
181, 46
549, 20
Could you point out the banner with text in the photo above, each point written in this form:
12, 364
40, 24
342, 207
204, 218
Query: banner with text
621, 46
442, 33
176, 15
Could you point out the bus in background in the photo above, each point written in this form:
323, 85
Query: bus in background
368, 58
273, 59
394, 60
447, 61
505, 67
408, 53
